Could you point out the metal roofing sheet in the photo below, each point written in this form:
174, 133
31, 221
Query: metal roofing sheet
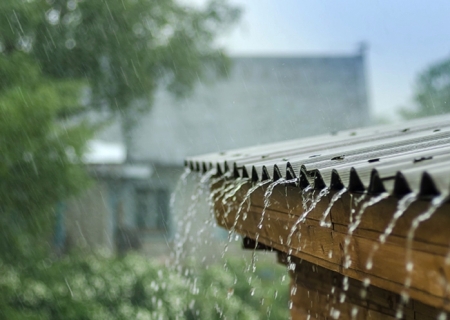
410, 157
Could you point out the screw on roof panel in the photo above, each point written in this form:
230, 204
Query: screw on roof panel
338, 158
420, 159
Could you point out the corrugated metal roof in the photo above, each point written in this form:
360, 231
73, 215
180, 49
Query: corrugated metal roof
410, 157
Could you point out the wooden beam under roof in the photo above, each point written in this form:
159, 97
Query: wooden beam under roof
325, 246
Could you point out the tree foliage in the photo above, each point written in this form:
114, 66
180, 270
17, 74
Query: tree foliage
96, 287
432, 93
58, 57
39, 158
122, 49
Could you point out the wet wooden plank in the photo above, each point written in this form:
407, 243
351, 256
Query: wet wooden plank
328, 245
325, 245
318, 293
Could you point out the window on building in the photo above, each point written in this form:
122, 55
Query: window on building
152, 210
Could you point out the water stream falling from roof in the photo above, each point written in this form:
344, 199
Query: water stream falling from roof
239, 210
185, 223
435, 204
266, 199
402, 205
234, 205
306, 210
364, 201
354, 223
230, 193
268, 194
326, 213
181, 183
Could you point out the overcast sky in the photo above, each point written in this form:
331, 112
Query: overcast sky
403, 36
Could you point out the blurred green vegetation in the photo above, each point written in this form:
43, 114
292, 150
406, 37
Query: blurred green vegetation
62, 57
134, 287
432, 92
120, 50
40, 156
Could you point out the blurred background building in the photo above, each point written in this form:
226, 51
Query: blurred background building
263, 99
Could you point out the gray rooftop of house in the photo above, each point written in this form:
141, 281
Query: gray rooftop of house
264, 99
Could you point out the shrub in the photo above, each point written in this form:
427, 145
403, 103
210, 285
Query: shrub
134, 287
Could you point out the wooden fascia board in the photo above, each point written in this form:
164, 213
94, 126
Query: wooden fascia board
324, 246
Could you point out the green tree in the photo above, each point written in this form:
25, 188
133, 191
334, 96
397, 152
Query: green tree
61, 57
122, 49
39, 155
432, 93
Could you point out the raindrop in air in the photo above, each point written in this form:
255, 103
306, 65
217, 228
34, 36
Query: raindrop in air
70, 44
52, 16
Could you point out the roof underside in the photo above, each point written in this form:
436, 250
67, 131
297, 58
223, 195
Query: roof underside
410, 157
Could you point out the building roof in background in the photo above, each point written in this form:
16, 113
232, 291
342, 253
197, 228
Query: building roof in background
109, 160
403, 158
101, 152
264, 99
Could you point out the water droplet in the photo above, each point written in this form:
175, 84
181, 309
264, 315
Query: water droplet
409, 266
52, 16
334, 313
405, 297
363, 293
71, 5
366, 282
442, 316
345, 283
70, 44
